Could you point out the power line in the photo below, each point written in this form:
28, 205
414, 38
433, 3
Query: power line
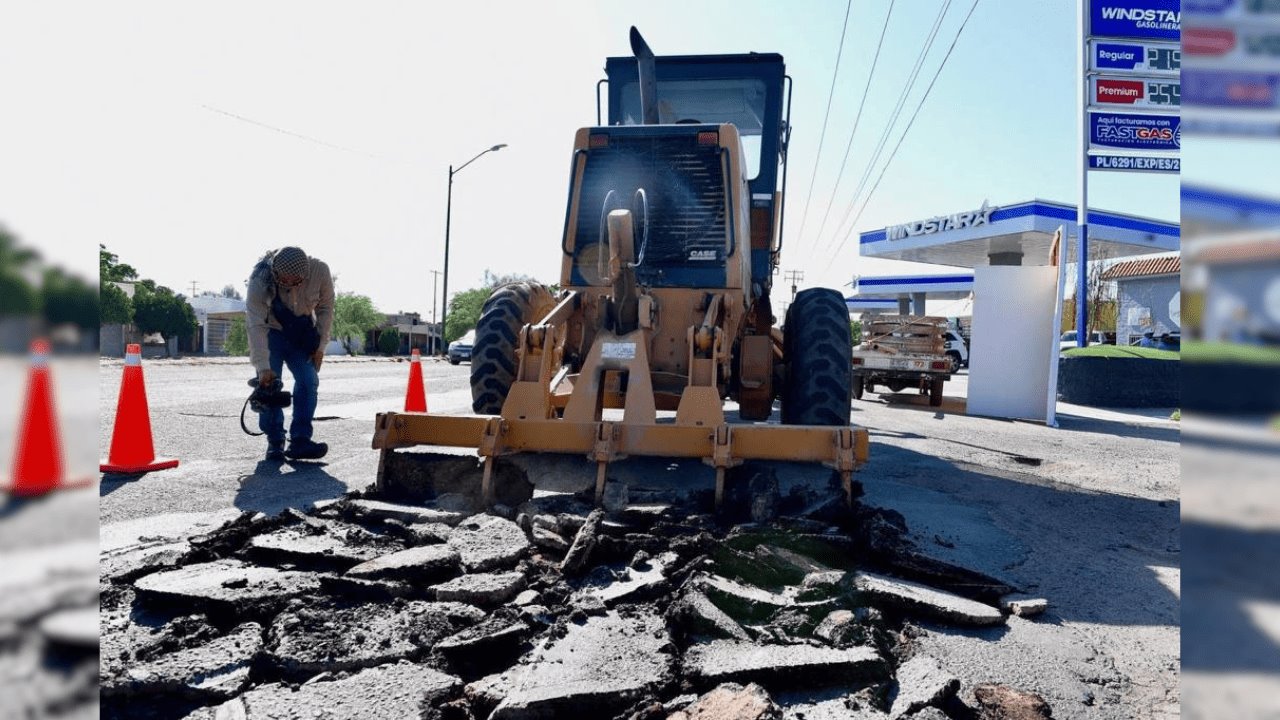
893, 119
804, 216
290, 133
857, 118
914, 115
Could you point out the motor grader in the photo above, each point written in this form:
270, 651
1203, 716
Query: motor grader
672, 235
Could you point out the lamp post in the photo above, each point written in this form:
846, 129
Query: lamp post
444, 312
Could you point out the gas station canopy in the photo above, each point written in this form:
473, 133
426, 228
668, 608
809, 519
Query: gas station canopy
1018, 234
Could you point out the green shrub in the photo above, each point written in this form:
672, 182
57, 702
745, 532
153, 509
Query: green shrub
389, 341
237, 338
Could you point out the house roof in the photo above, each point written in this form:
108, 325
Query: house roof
1144, 267
1245, 250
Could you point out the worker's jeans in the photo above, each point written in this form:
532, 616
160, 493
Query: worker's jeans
306, 383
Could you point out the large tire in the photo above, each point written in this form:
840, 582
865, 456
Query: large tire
818, 350
493, 356
954, 357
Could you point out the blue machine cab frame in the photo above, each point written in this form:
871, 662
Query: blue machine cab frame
751, 91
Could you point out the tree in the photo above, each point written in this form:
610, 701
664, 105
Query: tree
353, 316
855, 331
115, 307
17, 295
465, 307
68, 299
237, 342
158, 310
110, 267
464, 312
389, 341
229, 291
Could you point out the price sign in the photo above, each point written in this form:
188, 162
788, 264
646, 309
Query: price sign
1143, 58
1145, 93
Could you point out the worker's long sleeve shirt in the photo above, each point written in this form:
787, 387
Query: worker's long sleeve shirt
313, 297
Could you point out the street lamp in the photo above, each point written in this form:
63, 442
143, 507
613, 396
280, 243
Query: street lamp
444, 313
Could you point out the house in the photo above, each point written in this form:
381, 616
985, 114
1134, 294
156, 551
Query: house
413, 333
1240, 276
214, 315
1149, 295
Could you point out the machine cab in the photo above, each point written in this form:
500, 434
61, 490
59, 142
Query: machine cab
701, 92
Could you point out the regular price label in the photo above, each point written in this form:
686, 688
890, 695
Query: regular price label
1141, 58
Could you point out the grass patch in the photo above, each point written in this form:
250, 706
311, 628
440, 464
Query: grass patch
1220, 352
1119, 351
1176, 416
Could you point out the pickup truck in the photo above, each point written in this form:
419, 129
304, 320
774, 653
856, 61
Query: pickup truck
902, 351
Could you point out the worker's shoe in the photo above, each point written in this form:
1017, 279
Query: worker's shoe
306, 450
275, 452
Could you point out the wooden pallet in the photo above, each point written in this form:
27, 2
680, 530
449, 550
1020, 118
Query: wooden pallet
906, 334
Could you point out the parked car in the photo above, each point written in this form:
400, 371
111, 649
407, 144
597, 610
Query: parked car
1068, 339
957, 350
460, 349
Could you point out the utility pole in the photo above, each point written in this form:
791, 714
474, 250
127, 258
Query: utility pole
435, 275
793, 277
193, 288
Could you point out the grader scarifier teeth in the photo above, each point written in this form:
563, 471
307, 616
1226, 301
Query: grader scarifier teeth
841, 448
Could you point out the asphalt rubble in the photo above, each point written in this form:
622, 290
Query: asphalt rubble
49, 632
415, 604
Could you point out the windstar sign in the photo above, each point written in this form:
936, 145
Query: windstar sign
941, 223
1142, 19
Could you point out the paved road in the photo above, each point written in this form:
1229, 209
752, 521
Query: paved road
1085, 515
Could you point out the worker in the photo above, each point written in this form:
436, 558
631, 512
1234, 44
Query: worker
289, 317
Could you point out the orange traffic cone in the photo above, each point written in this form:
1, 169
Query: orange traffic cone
131, 448
37, 465
415, 398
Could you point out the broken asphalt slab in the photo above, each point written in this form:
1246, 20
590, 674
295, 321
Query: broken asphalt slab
596, 669
307, 641
917, 599
226, 585
208, 672
404, 513
921, 682
389, 692
428, 563
488, 543
328, 544
483, 589
781, 666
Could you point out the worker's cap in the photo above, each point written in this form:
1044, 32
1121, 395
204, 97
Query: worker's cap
290, 260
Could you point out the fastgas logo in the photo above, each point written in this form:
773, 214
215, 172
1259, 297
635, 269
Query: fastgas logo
1135, 132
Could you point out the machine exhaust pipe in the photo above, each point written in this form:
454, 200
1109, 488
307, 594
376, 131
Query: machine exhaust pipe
648, 78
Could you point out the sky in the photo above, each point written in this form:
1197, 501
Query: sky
189, 139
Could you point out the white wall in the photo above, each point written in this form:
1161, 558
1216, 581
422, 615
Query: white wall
1013, 336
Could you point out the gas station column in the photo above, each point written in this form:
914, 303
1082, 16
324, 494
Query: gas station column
917, 303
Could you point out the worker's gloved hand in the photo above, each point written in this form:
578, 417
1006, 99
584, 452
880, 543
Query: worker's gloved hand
316, 358
266, 377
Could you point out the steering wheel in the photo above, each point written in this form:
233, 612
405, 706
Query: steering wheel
688, 121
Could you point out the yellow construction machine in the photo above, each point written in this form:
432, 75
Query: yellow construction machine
671, 240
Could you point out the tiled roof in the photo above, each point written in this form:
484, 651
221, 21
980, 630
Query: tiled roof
1144, 267
1241, 252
